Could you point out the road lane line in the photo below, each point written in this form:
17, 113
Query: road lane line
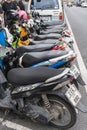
13, 125
80, 61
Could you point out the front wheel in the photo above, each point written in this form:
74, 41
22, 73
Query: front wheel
64, 114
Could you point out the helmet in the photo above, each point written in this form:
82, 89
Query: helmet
12, 15
22, 14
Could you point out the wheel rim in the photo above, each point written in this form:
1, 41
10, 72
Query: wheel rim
64, 116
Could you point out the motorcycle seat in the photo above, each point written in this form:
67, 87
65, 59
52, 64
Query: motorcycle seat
51, 31
46, 41
47, 36
27, 76
28, 59
33, 48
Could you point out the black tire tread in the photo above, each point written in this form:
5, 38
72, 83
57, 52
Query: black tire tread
70, 108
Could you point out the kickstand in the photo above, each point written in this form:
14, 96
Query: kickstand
5, 115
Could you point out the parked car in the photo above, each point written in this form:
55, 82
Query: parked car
69, 4
51, 11
84, 4
78, 4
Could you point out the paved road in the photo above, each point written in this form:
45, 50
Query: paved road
78, 20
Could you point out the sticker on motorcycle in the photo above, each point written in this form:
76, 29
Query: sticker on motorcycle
73, 95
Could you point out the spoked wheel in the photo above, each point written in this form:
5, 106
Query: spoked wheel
64, 115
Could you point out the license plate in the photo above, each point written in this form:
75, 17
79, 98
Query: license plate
55, 17
74, 70
46, 18
73, 95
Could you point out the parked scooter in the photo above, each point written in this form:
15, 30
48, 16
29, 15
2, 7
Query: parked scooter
33, 91
65, 34
10, 58
50, 34
53, 58
15, 31
43, 94
37, 24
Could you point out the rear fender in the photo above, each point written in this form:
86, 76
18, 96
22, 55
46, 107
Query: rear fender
60, 93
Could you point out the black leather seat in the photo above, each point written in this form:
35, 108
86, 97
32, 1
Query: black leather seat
34, 48
47, 36
25, 76
46, 41
36, 57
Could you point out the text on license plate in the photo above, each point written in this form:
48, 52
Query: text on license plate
73, 95
46, 18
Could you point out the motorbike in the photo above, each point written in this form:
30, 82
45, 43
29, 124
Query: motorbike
41, 47
42, 39
11, 58
53, 58
21, 58
50, 35
37, 24
43, 94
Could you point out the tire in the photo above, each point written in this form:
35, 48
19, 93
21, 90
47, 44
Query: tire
54, 101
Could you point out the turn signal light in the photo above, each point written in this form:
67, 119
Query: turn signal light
72, 59
61, 15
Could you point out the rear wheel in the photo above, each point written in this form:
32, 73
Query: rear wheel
64, 115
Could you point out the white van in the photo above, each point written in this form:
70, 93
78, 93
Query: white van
51, 11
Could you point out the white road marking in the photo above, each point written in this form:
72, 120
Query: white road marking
80, 61
13, 125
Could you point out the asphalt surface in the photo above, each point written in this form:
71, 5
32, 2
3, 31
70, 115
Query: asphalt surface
78, 18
